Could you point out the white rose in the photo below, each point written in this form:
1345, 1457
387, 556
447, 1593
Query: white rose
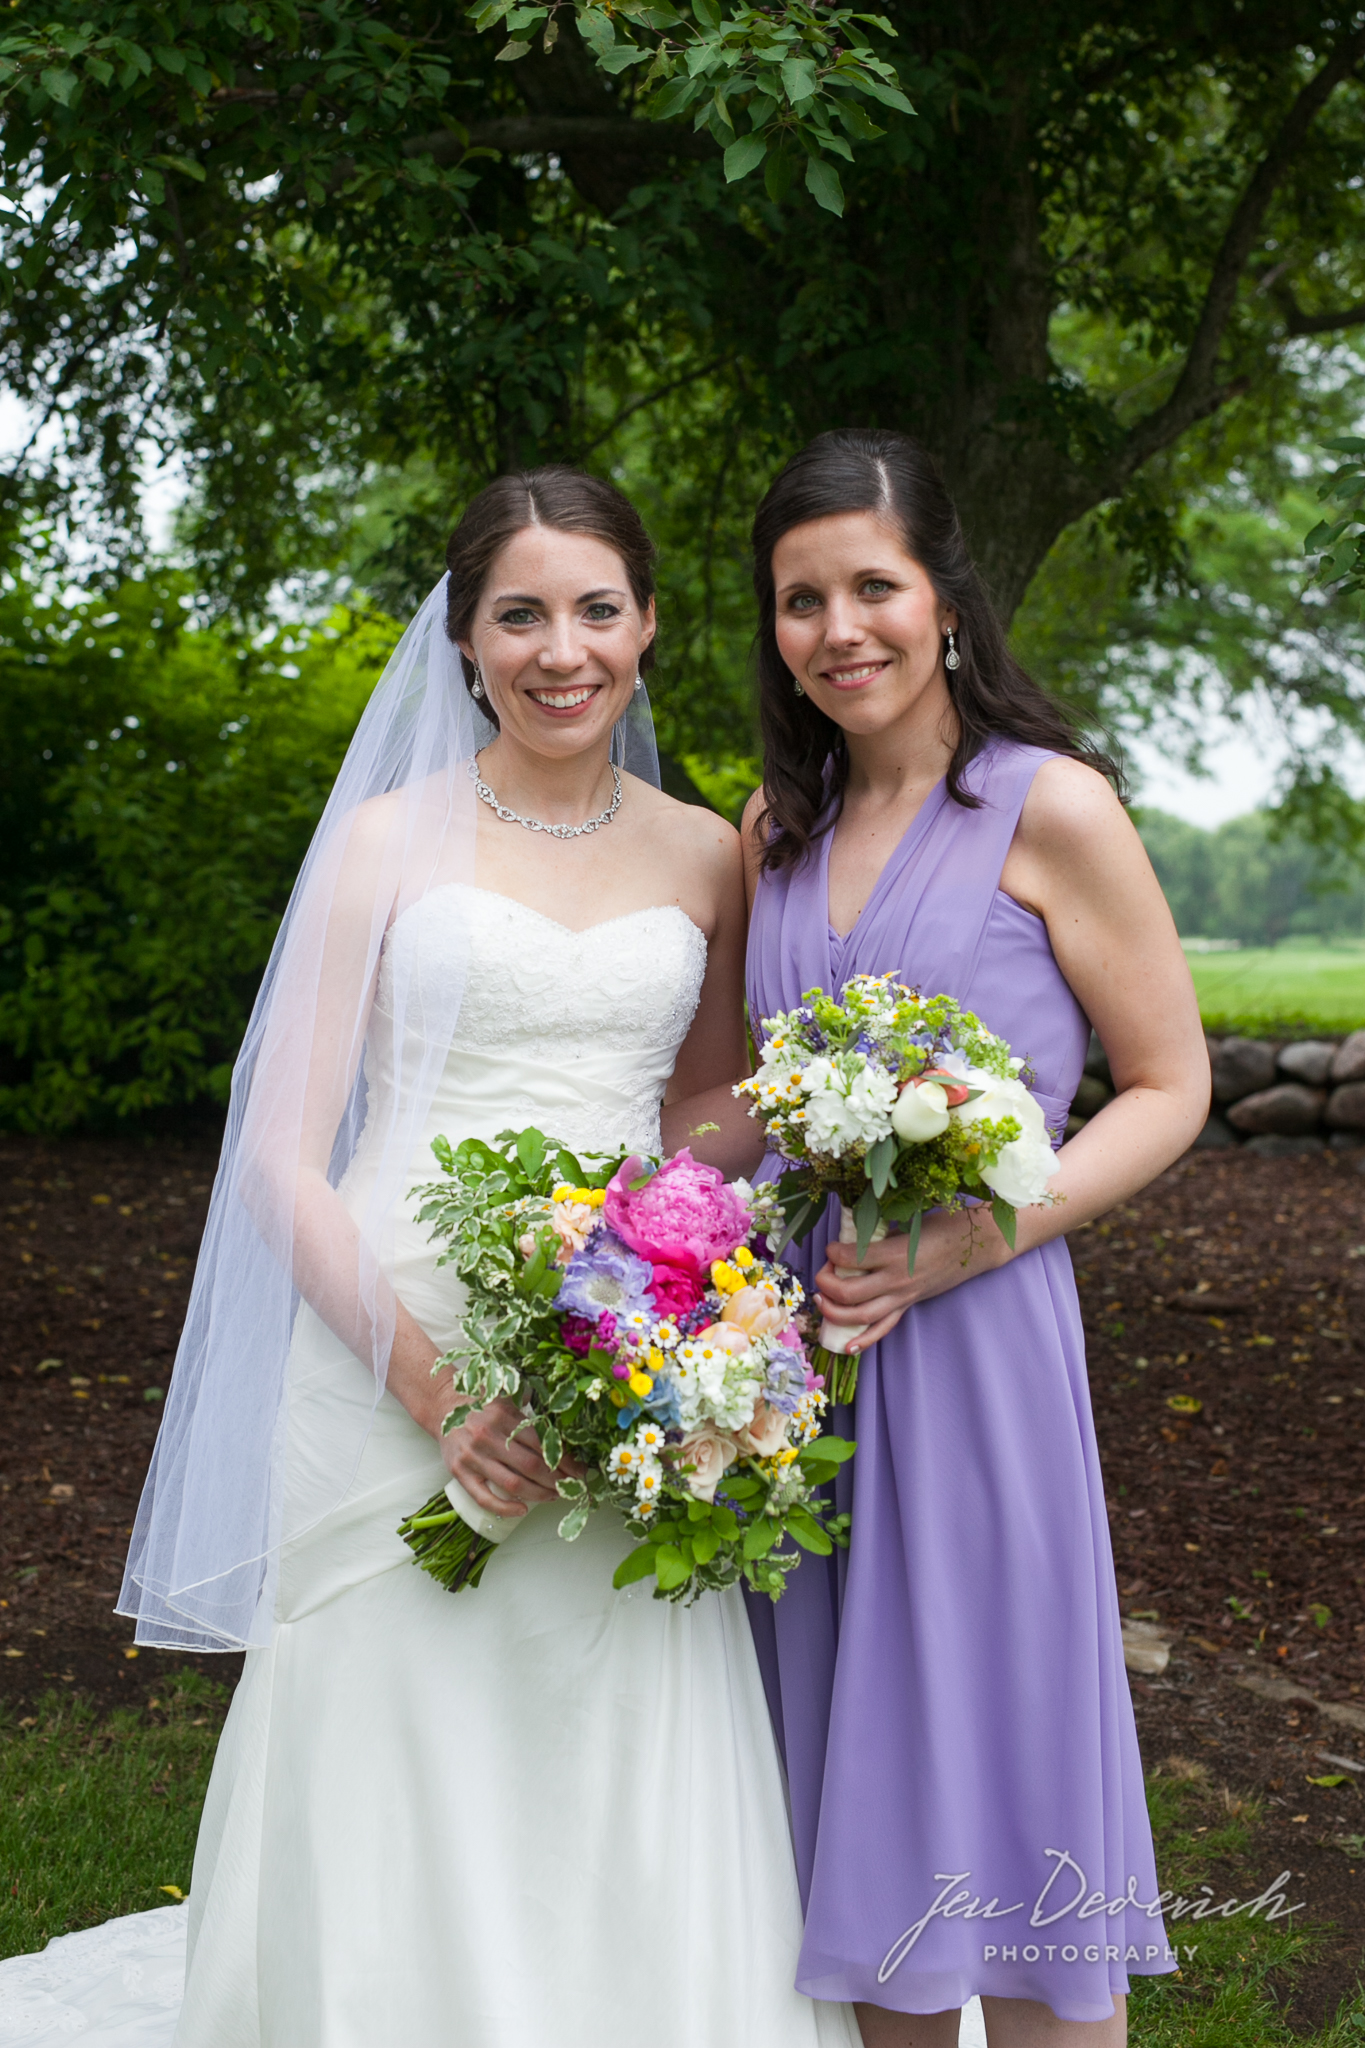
921, 1113
1003, 1098
1021, 1174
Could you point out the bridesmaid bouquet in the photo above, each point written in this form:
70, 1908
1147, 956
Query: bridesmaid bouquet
897, 1103
629, 1307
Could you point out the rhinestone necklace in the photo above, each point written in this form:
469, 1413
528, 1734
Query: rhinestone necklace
510, 817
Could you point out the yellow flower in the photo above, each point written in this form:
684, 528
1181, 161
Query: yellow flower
655, 1359
617, 1395
563, 1194
742, 1256
640, 1384
725, 1277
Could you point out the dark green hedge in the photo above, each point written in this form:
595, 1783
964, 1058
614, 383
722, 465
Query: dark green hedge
158, 786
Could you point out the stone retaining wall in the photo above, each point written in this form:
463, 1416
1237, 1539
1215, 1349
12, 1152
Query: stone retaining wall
1279, 1100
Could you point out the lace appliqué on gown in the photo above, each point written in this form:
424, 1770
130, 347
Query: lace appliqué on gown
116, 1986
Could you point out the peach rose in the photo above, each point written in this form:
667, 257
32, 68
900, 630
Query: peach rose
710, 1456
765, 1433
756, 1310
724, 1337
574, 1223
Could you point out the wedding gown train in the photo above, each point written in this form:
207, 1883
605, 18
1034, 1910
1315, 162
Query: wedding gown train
537, 1814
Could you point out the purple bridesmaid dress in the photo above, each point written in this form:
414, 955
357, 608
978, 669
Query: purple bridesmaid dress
950, 1694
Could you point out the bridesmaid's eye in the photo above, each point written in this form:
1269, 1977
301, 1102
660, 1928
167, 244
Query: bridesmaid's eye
805, 602
876, 586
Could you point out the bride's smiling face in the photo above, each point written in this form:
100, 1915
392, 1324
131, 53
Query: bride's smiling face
859, 624
558, 636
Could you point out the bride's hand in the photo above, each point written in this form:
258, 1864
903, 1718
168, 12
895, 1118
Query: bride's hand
879, 1291
480, 1456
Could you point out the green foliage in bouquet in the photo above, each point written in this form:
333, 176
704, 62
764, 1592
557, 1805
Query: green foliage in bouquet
495, 1207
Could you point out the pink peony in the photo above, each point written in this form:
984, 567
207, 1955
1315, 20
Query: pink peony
674, 1292
684, 1215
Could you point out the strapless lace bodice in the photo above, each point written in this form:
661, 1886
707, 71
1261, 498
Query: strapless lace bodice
576, 1031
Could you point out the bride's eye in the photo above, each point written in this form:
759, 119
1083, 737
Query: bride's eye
603, 613
876, 586
517, 615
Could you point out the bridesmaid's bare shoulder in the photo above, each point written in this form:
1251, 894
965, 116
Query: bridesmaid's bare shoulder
1074, 831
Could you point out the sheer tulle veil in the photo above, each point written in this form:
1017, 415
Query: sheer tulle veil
399, 823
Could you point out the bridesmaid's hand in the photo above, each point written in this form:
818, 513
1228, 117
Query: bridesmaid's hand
480, 1456
879, 1291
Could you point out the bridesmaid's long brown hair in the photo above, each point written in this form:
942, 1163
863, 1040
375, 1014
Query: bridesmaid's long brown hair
805, 758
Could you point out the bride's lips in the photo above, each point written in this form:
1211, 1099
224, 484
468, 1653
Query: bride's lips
566, 703
854, 675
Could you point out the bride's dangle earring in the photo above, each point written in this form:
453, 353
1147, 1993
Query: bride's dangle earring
476, 687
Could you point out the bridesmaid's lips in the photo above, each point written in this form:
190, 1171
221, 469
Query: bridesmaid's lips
856, 678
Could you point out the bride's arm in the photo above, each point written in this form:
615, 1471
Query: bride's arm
715, 1055
327, 992
737, 1147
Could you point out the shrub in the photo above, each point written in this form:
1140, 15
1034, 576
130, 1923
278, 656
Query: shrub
159, 781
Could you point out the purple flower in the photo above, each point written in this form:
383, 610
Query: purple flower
605, 1282
786, 1379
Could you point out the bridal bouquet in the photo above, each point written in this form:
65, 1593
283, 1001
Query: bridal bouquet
896, 1103
629, 1307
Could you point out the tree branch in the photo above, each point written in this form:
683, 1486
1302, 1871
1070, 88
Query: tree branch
650, 398
1296, 321
554, 134
1197, 391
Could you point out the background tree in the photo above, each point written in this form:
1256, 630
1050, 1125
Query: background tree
345, 261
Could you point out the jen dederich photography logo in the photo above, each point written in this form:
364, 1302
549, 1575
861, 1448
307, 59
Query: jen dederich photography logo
1065, 1893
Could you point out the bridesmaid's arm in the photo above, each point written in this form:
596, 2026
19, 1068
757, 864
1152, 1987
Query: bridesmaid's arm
716, 1053
1078, 863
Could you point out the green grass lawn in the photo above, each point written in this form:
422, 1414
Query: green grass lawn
1282, 991
98, 1817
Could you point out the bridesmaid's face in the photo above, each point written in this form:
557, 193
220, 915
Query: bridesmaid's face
558, 637
859, 624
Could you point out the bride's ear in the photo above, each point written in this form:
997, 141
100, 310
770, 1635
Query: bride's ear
649, 626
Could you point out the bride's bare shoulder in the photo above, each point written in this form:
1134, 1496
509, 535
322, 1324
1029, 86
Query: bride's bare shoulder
694, 829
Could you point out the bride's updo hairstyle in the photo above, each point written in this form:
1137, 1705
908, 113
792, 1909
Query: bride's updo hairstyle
570, 501
805, 756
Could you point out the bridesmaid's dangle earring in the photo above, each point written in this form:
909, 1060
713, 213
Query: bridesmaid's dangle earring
952, 659
799, 689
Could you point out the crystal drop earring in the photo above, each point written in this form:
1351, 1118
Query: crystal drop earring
798, 688
476, 687
639, 682
952, 659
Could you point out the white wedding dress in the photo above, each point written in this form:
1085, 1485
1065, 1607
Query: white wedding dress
535, 1814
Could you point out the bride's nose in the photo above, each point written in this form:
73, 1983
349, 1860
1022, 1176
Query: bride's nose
564, 651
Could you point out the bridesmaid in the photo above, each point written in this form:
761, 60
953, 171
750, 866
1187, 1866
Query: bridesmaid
966, 1791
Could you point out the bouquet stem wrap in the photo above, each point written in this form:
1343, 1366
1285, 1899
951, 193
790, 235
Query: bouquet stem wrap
837, 1339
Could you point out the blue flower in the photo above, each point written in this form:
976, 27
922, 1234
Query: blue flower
786, 1379
605, 1277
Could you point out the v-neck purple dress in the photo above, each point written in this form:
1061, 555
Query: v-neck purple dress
950, 1694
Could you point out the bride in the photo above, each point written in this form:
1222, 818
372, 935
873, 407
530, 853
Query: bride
539, 1814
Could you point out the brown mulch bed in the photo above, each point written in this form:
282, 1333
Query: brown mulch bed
1235, 1283
98, 1251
